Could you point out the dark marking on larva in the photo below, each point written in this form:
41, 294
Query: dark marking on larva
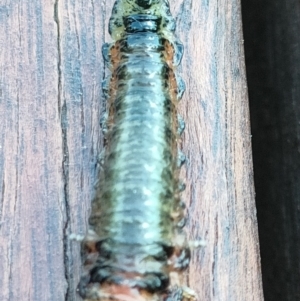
135, 241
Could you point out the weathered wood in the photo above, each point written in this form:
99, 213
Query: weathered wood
51, 73
51, 102
273, 59
218, 145
33, 212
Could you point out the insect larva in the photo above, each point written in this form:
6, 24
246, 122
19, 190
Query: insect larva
135, 245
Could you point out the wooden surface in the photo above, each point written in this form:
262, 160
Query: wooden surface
50, 105
272, 44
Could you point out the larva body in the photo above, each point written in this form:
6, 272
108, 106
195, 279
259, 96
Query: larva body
135, 240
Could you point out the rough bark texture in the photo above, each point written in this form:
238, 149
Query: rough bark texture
272, 44
50, 105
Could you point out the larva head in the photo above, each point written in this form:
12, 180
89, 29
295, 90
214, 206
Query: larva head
146, 3
124, 8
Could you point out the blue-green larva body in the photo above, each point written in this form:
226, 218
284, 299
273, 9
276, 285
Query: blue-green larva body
135, 239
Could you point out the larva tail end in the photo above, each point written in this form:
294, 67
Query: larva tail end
114, 292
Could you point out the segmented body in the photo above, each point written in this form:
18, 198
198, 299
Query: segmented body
135, 240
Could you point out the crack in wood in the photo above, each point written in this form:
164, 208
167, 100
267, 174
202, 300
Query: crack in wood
62, 109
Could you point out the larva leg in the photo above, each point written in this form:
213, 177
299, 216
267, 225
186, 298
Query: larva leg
178, 48
91, 237
188, 293
104, 123
110, 54
177, 293
181, 259
105, 87
181, 223
104, 117
89, 256
181, 186
180, 86
182, 252
195, 244
106, 53
181, 158
76, 237
101, 158
181, 124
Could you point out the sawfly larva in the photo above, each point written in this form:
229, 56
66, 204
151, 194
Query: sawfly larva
135, 247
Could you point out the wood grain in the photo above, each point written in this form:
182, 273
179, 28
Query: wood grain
50, 106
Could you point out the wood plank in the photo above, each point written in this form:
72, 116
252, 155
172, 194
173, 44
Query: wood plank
33, 212
217, 142
51, 102
81, 27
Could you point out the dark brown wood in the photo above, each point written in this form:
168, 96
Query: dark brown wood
273, 58
50, 106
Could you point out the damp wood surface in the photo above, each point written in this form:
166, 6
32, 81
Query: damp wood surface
51, 70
